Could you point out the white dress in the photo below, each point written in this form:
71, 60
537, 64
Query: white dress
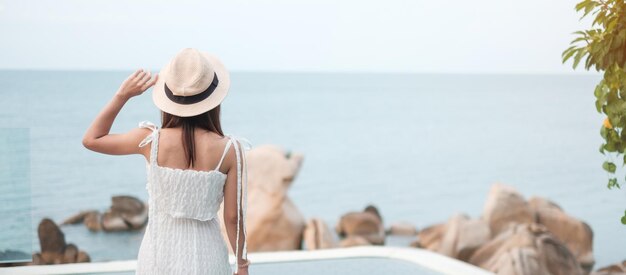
183, 232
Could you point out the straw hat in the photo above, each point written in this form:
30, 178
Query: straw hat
192, 83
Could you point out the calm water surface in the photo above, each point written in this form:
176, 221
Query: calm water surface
420, 147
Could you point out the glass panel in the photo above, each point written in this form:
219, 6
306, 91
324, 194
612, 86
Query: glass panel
15, 196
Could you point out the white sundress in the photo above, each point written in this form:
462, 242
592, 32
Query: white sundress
183, 233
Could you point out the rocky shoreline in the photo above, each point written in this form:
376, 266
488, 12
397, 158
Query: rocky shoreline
512, 236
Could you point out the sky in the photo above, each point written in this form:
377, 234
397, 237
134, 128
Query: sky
394, 36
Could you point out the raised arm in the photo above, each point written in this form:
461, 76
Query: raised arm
234, 206
97, 137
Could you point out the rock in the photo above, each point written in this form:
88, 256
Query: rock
132, 212
92, 221
136, 220
504, 206
354, 240
526, 249
373, 210
83, 257
126, 205
273, 221
125, 213
519, 261
37, 260
317, 235
430, 237
463, 236
615, 269
54, 250
402, 229
70, 254
366, 224
77, 218
577, 235
51, 241
113, 222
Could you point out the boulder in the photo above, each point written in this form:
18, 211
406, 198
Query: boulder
127, 205
374, 211
113, 222
526, 249
402, 229
92, 221
614, 269
77, 218
505, 206
273, 221
577, 235
132, 210
354, 240
125, 213
51, 241
37, 260
82, 257
463, 236
367, 224
54, 250
430, 237
71, 252
317, 235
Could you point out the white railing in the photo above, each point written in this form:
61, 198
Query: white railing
420, 257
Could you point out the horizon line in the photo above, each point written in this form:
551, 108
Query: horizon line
572, 73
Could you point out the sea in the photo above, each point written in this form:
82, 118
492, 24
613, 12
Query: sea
419, 147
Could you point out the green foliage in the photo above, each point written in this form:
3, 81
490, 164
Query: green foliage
603, 48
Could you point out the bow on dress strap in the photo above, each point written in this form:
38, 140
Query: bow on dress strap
242, 171
149, 138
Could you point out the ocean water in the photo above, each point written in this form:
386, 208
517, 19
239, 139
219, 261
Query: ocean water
421, 147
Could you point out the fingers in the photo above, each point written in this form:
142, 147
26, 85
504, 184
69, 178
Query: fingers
144, 79
135, 74
150, 83
139, 76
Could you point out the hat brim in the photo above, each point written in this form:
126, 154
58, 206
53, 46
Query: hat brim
162, 102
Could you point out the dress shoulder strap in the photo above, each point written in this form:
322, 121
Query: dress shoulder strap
241, 144
153, 138
230, 141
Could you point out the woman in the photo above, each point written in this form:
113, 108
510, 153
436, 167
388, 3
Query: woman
192, 167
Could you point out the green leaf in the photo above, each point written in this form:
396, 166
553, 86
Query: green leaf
581, 5
624, 219
589, 7
567, 54
602, 151
577, 58
611, 183
599, 106
609, 167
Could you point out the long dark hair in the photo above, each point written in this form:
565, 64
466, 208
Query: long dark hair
209, 121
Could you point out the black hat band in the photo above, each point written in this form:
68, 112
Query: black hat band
186, 100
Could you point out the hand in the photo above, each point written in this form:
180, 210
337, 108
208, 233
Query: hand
136, 84
242, 269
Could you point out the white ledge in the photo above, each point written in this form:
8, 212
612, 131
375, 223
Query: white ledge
420, 257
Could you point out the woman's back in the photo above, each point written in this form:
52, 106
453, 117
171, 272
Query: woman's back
208, 147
